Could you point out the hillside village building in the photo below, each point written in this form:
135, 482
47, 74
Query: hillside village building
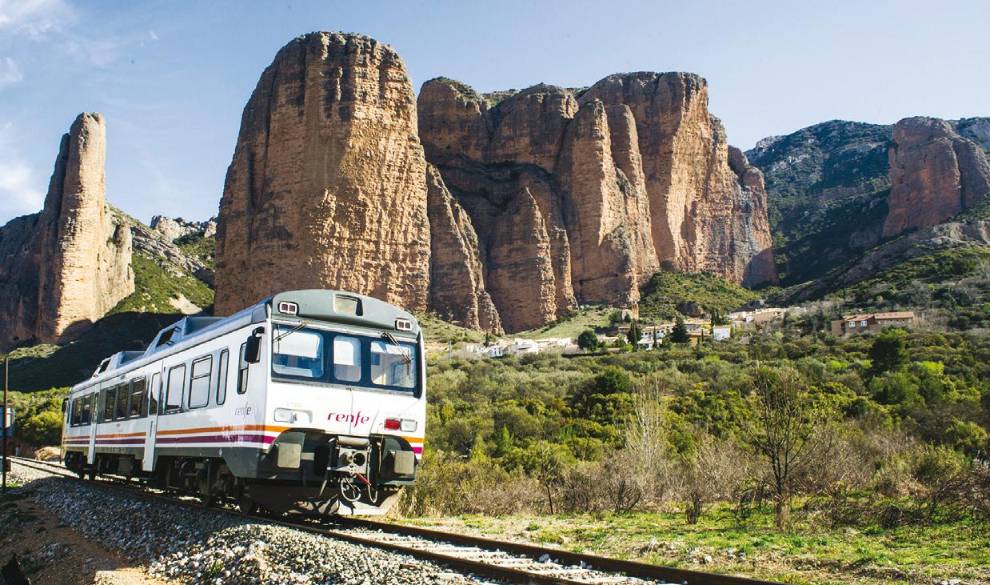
862, 323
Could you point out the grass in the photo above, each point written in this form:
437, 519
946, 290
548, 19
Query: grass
665, 290
571, 325
157, 290
438, 331
197, 246
940, 266
808, 553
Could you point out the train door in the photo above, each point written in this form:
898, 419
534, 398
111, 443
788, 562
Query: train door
94, 418
154, 400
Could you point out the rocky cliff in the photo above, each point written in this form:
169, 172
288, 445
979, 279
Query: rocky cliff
536, 201
64, 268
172, 229
578, 197
327, 187
827, 187
935, 174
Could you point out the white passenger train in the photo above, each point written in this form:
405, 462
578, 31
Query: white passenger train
311, 399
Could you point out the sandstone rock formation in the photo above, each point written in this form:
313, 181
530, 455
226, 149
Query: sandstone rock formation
536, 201
459, 293
935, 174
173, 229
579, 198
64, 268
327, 187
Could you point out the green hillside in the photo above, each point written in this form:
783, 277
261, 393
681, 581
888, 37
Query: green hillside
666, 290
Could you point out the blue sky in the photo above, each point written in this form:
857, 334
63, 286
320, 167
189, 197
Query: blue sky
172, 77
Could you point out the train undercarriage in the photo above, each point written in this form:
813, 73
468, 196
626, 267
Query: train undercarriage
304, 471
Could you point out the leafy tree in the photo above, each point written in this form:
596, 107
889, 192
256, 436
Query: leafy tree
889, 351
635, 333
588, 341
680, 333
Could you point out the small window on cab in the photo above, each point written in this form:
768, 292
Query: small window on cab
346, 305
242, 371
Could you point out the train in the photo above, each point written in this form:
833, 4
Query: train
310, 400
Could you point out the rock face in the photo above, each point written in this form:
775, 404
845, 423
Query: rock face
173, 229
580, 198
535, 201
827, 189
64, 268
456, 263
327, 187
935, 174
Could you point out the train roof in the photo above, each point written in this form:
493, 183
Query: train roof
296, 305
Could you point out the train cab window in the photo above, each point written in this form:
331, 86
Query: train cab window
222, 376
174, 388
199, 382
137, 405
346, 359
153, 393
393, 364
109, 399
120, 412
297, 352
242, 371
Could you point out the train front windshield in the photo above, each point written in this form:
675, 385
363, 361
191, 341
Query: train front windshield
313, 355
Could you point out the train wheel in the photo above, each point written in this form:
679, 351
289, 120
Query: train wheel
246, 504
92, 473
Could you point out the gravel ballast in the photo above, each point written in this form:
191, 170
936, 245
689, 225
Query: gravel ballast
203, 546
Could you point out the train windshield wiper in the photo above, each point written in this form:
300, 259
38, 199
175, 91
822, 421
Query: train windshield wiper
288, 333
403, 352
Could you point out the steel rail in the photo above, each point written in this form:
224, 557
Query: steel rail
633, 569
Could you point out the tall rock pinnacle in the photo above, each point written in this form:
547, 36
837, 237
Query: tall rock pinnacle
64, 268
327, 187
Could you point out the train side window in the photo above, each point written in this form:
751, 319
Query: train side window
199, 383
109, 398
153, 394
222, 376
120, 412
175, 386
74, 413
86, 412
242, 372
138, 388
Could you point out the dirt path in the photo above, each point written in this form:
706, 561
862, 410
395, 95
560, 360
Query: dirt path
51, 553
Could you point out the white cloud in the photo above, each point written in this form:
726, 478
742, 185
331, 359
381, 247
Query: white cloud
10, 73
19, 185
35, 18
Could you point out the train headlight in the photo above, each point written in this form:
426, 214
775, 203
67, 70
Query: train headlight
288, 415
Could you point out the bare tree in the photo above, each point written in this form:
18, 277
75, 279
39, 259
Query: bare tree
785, 431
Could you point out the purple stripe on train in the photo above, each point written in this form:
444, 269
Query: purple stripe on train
267, 440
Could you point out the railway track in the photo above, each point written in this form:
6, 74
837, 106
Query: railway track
507, 561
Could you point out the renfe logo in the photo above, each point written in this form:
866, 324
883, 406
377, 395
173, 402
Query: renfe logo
353, 418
